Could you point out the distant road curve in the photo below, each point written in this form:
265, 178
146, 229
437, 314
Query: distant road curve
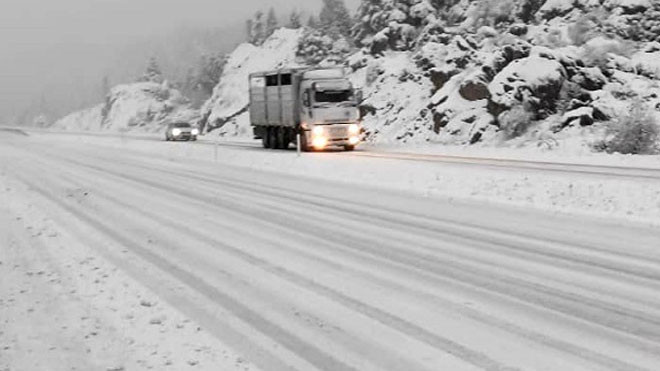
13, 130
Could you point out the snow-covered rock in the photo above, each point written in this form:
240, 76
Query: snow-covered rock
555, 8
534, 79
230, 98
143, 107
90, 119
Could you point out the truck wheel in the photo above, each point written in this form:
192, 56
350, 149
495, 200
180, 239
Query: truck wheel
304, 147
264, 137
282, 139
349, 148
272, 135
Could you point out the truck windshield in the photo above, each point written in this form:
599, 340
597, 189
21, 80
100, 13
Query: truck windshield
333, 96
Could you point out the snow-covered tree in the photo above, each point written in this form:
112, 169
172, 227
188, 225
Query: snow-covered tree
294, 20
312, 22
318, 47
526, 9
257, 29
153, 72
335, 18
490, 13
394, 24
105, 86
271, 22
209, 73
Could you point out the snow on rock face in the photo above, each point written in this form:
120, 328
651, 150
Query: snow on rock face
144, 107
230, 98
630, 6
554, 8
86, 120
535, 79
647, 63
396, 98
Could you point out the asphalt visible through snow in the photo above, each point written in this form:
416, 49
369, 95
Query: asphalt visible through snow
297, 273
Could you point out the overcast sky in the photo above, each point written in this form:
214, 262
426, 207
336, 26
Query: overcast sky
47, 44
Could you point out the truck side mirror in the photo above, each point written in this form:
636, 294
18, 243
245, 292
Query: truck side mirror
306, 100
359, 96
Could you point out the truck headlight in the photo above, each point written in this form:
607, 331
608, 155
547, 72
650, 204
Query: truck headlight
320, 142
353, 140
354, 129
176, 132
194, 132
317, 131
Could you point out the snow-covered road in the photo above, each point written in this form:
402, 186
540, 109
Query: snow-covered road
279, 271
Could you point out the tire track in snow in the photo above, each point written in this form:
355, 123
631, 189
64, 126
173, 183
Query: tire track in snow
468, 355
558, 344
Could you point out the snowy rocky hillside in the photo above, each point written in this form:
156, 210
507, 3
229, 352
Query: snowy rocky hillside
143, 107
536, 73
533, 73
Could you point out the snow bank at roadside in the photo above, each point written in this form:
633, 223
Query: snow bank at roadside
90, 119
142, 107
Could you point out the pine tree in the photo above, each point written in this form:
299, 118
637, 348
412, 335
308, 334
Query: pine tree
105, 86
395, 24
153, 72
257, 31
294, 20
248, 30
271, 22
335, 18
526, 9
312, 23
210, 71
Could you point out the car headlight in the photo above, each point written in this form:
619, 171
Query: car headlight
176, 131
353, 140
354, 129
194, 132
318, 130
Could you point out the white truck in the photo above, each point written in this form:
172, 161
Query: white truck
320, 105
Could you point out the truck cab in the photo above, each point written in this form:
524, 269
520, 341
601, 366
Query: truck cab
320, 105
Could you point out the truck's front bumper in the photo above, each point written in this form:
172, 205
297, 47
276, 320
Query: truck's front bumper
324, 141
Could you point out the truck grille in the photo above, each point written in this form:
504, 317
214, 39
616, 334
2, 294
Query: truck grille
338, 132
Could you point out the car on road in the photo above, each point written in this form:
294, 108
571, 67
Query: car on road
181, 131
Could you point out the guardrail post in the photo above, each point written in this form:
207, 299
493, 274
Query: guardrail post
215, 149
298, 149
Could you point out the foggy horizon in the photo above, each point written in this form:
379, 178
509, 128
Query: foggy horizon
56, 54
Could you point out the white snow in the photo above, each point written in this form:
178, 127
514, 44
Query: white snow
191, 256
560, 6
90, 119
611, 197
142, 107
231, 95
531, 72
